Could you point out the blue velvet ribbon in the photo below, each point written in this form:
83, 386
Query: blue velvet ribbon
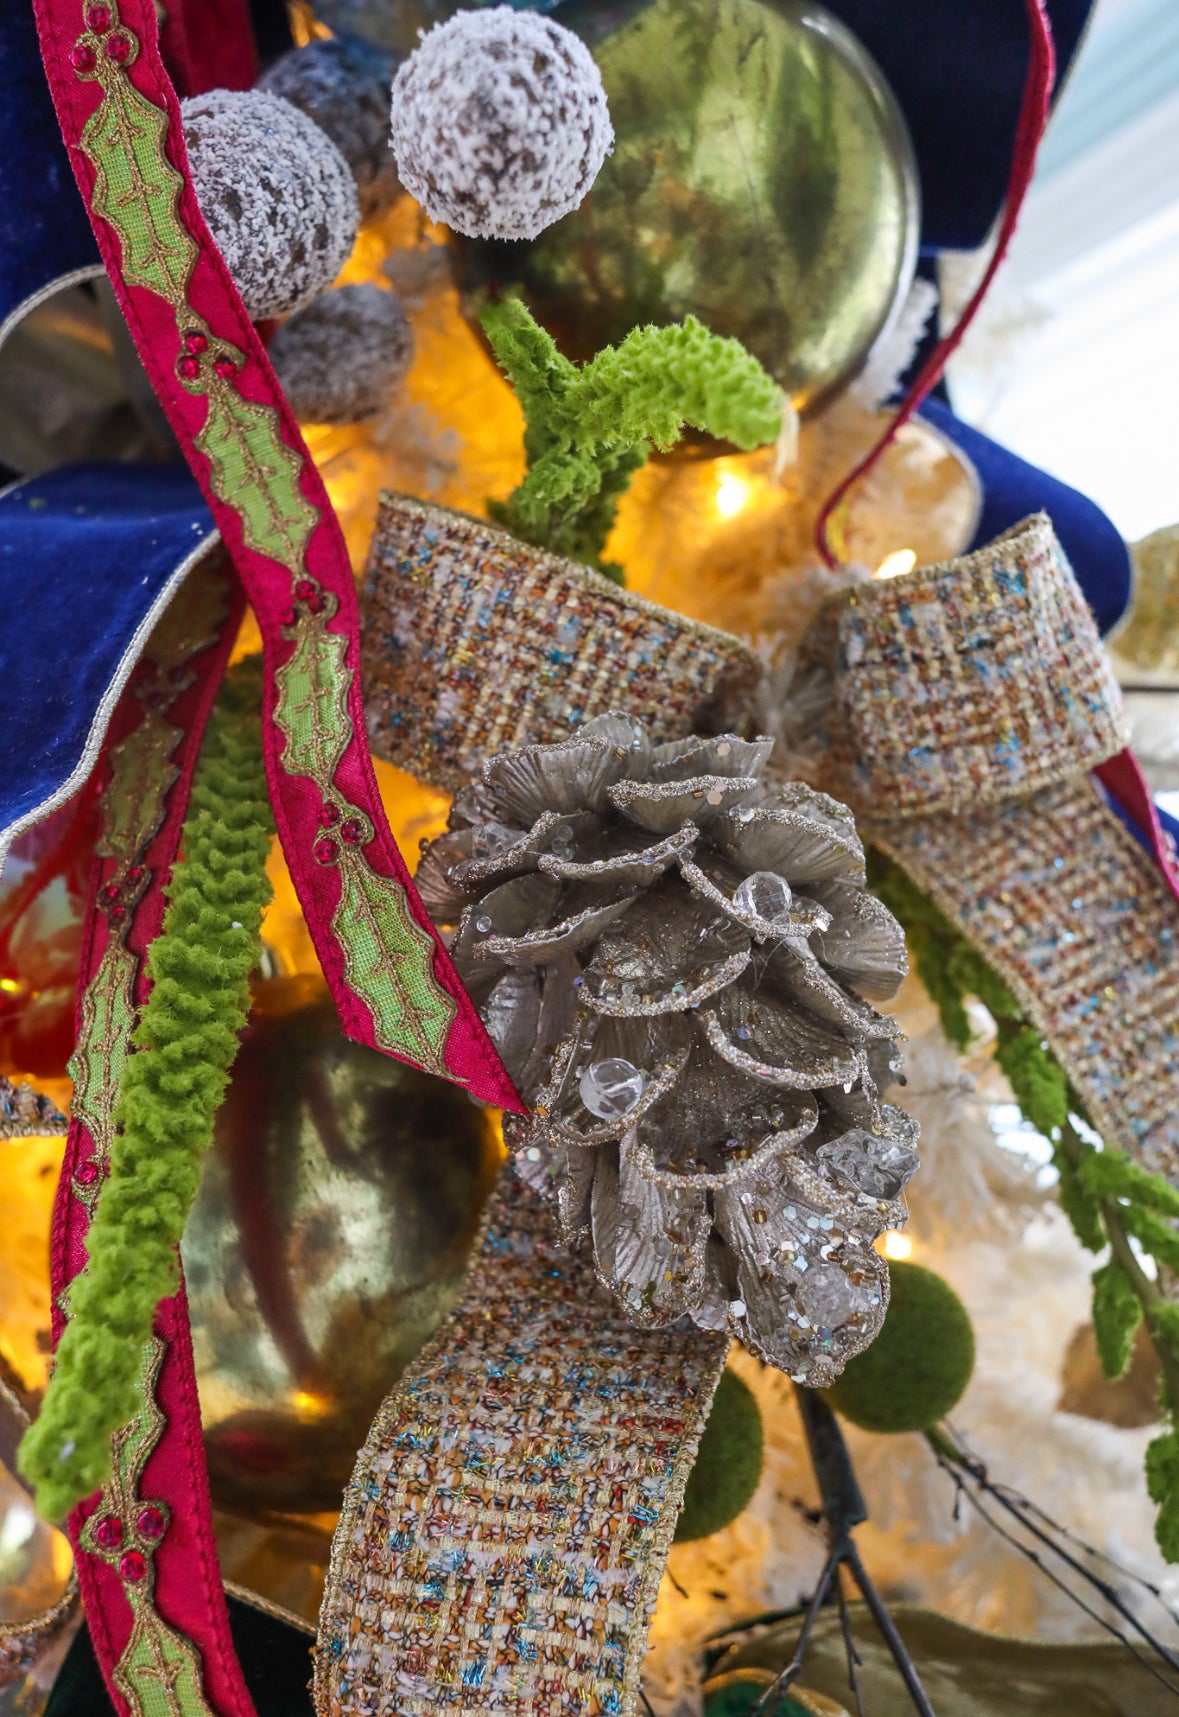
1011, 489
89, 557
44, 229
957, 68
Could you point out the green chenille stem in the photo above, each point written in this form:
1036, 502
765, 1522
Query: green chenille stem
1107, 1197
199, 968
590, 429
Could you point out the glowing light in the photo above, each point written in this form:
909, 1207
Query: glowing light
895, 1246
892, 566
732, 493
11, 986
18, 1527
309, 1406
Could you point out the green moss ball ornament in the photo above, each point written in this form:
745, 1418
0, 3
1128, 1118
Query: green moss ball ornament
917, 1369
728, 1465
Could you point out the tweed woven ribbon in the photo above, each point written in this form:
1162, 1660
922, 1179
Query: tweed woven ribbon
506, 1528
508, 1522
474, 641
969, 702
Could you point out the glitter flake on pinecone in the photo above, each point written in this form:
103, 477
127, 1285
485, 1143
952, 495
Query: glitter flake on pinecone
674, 958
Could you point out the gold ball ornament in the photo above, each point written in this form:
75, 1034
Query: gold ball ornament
762, 180
328, 1241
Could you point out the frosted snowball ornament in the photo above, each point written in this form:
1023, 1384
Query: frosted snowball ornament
276, 195
343, 85
499, 123
343, 357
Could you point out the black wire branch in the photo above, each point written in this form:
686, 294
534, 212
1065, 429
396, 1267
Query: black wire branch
849, 1645
964, 1470
843, 1509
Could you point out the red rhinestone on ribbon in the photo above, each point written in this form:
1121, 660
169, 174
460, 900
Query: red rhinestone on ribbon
109, 1532
151, 1522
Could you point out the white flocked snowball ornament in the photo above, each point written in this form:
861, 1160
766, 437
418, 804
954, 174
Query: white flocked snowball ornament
343, 85
276, 194
500, 123
342, 358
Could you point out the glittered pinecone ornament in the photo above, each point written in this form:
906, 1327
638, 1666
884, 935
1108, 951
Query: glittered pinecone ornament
675, 957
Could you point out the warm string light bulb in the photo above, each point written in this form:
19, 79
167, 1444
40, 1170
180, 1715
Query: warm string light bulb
893, 565
732, 493
895, 1246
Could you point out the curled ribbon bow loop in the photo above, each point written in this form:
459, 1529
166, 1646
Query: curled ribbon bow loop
963, 707
970, 682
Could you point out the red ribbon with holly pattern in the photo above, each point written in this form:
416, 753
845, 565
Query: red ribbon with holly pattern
392, 980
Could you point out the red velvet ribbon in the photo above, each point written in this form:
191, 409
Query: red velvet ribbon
209, 44
188, 1593
470, 1057
1124, 781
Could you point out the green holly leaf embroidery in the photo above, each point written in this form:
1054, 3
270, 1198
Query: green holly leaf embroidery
257, 474
312, 705
159, 1671
137, 190
389, 962
96, 1066
141, 774
131, 1446
159, 1674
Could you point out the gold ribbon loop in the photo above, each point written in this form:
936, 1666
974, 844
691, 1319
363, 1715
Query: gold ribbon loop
473, 641
969, 682
962, 708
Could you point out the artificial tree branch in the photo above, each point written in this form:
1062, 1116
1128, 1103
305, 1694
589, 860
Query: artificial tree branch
1150, 1297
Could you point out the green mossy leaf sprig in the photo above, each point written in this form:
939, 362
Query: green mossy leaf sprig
589, 429
1110, 1200
199, 968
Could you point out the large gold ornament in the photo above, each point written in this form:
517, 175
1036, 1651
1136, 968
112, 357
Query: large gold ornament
762, 180
327, 1243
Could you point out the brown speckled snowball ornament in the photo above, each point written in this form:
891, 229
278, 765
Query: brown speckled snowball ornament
343, 85
276, 195
341, 358
500, 123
